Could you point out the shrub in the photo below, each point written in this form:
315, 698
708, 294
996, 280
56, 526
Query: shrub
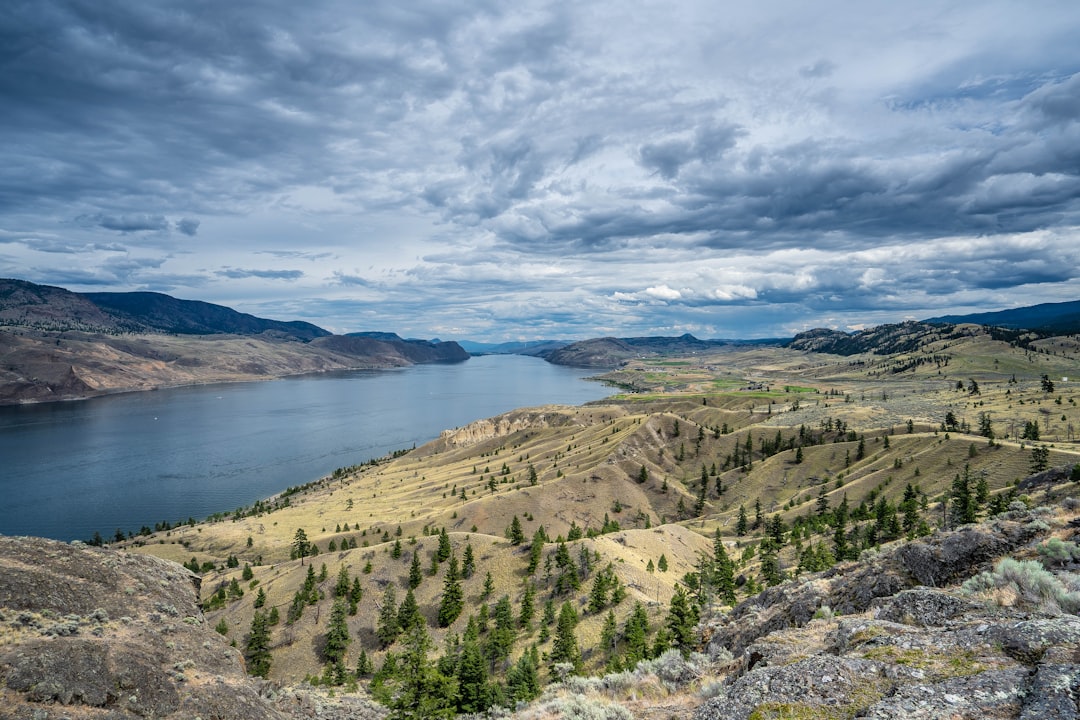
1059, 551
578, 708
1031, 583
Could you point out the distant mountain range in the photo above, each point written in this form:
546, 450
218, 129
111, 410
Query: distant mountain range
1056, 318
611, 352
61, 345
52, 308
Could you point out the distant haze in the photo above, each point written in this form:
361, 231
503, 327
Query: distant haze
547, 170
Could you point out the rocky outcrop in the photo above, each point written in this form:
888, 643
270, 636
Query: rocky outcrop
901, 649
99, 633
503, 425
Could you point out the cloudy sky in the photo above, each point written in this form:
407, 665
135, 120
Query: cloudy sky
488, 170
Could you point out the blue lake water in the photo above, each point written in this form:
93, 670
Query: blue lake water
124, 461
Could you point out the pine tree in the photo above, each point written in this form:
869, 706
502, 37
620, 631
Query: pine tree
523, 679
453, 598
416, 575
341, 588
500, 640
564, 648
742, 525
609, 634
661, 564
468, 562
423, 693
528, 606
643, 475
636, 635
257, 647
724, 573
387, 629
443, 553
300, 545
337, 633
408, 614
536, 551
681, 621
474, 692
515, 533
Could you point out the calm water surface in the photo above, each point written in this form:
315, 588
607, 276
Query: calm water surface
70, 469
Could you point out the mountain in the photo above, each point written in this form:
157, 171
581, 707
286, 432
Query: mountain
610, 352
390, 347
1057, 318
45, 307
60, 345
881, 340
530, 347
155, 311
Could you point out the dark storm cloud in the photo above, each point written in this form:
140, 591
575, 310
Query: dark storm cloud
588, 166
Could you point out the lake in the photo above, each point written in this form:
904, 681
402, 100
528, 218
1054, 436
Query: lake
123, 461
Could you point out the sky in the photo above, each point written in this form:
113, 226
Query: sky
506, 171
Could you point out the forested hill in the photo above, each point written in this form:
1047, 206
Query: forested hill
1057, 318
610, 352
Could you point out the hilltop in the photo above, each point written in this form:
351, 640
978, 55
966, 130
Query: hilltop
60, 345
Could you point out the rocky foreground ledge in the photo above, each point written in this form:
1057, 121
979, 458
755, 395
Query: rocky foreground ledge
884, 638
102, 634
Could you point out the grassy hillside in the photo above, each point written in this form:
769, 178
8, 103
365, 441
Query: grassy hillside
791, 433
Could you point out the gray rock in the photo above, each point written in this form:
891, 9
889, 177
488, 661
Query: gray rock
923, 606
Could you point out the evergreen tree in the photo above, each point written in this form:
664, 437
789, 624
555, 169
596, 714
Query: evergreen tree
609, 634
356, 594
416, 575
341, 588
500, 640
643, 475
468, 562
443, 553
636, 635
963, 507
536, 550
661, 564
564, 648
523, 679
257, 647
770, 564
423, 692
453, 598
474, 692
724, 573
387, 628
300, 545
489, 586
681, 621
742, 525
408, 614
337, 633
515, 533
528, 606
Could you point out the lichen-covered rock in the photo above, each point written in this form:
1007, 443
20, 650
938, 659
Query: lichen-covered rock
923, 606
1054, 693
819, 686
992, 694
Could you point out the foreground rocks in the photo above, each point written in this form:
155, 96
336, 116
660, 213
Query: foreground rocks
97, 633
898, 648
